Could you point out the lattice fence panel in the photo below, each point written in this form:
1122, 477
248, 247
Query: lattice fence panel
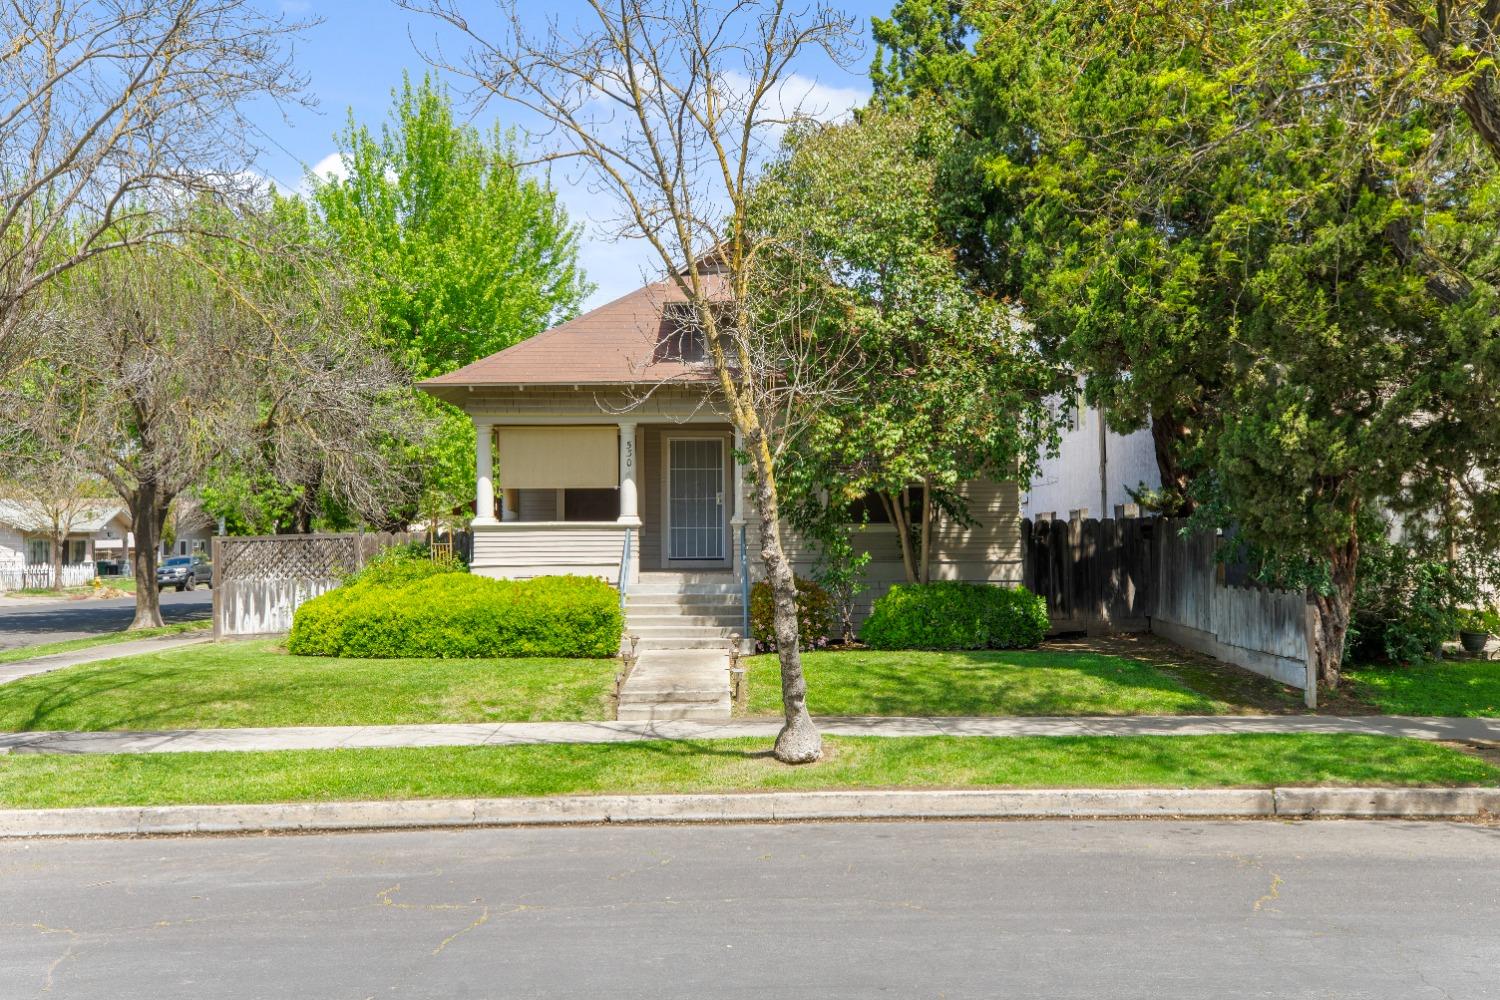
288, 557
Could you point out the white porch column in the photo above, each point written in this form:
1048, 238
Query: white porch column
629, 504
484, 480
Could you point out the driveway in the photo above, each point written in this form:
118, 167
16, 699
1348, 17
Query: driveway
1075, 910
53, 621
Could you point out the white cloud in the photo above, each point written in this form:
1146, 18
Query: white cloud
810, 97
329, 167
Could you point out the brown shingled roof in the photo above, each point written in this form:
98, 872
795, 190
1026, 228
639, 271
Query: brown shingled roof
613, 344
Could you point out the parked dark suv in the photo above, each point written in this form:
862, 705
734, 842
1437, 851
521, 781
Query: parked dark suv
184, 573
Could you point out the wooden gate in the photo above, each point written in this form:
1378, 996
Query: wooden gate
1096, 575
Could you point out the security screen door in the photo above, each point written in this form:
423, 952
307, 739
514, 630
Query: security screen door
695, 498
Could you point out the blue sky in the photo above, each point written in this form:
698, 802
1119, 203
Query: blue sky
356, 56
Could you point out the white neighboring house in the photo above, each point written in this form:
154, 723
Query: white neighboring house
1094, 470
192, 529
100, 531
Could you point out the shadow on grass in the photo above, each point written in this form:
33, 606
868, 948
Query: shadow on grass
1022, 682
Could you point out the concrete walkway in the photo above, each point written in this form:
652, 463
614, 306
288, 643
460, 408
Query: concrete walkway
93, 654
677, 684
524, 733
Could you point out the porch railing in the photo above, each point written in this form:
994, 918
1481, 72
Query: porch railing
744, 586
624, 576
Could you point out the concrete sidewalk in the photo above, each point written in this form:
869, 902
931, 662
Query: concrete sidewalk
525, 733
93, 654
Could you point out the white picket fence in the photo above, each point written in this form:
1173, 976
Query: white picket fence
39, 575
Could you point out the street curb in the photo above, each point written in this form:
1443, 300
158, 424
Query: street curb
759, 807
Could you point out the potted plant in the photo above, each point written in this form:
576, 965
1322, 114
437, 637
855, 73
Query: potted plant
1475, 627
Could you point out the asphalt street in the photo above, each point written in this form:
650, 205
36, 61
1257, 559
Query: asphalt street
53, 621
1037, 909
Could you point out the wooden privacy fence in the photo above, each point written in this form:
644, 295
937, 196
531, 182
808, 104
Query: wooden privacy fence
1146, 574
260, 581
1096, 575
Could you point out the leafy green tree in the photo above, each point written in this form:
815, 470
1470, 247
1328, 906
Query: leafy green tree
465, 255
1287, 279
948, 386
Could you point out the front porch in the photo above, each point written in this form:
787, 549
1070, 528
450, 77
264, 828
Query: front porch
606, 499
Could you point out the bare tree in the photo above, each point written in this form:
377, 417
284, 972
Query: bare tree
53, 492
670, 105
108, 109
165, 359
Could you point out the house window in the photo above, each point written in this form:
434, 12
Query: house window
591, 505
38, 551
681, 336
77, 551
870, 509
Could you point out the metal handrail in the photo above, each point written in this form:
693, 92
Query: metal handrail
625, 567
745, 585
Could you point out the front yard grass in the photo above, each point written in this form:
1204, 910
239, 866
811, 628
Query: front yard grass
109, 586
237, 684
40, 781
1444, 687
107, 639
1012, 682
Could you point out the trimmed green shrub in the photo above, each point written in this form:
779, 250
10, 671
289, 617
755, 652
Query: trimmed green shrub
952, 615
451, 615
814, 615
403, 564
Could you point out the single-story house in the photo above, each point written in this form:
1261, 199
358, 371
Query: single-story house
99, 532
604, 449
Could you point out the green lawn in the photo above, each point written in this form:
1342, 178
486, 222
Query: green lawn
125, 584
1444, 687
36, 781
109, 638
1019, 682
237, 684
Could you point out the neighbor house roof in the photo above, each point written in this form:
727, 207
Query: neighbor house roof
94, 517
615, 344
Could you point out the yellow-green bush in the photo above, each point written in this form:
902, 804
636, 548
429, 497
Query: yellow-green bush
456, 616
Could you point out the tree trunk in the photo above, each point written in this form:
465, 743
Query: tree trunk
1334, 609
1166, 436
148, 516
895, 507
925, 570
58, 541
798, 742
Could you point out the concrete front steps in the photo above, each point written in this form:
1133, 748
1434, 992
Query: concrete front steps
683, 624
684, 611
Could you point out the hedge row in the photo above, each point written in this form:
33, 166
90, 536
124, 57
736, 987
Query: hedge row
451, 615
951, 615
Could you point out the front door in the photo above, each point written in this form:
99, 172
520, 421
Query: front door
695, 499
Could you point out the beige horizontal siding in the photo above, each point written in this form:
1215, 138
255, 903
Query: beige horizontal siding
517, 550
987, 552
